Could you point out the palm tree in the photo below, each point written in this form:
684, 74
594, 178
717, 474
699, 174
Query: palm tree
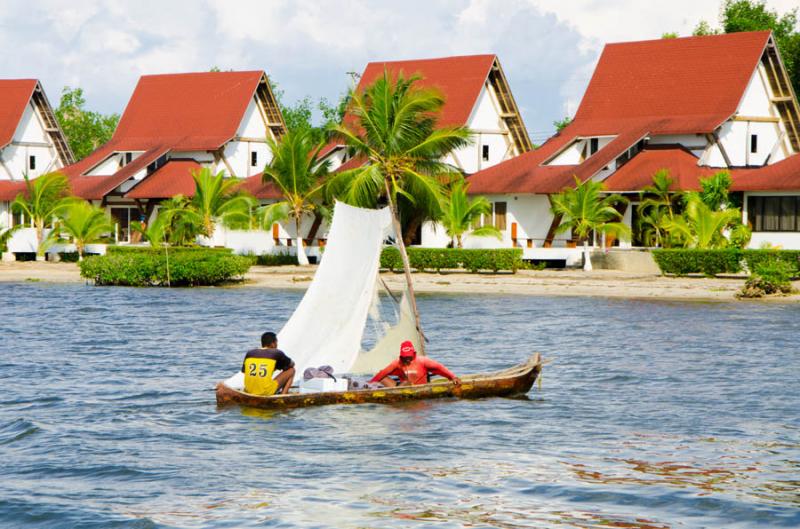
702, 227
584, 210
653, 224
658, 195
297, 171
216, 199
395, 132
459, 214
178, 223
44, 198
84, 223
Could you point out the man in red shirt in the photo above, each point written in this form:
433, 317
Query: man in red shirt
412, 370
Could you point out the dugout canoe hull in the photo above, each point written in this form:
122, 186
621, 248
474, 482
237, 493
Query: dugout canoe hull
516, 380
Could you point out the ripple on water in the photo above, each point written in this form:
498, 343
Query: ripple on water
653, 415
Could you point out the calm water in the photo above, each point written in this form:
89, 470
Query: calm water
652, 415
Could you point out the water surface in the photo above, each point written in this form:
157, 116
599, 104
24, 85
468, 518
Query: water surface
652, 415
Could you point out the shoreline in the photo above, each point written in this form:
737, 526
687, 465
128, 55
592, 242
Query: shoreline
610, 284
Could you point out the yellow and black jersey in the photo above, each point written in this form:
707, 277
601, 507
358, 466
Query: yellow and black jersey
259, 367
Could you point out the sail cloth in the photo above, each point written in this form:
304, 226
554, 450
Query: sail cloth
328, 324
388, 346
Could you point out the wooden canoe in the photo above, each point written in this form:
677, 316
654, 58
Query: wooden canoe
516, 380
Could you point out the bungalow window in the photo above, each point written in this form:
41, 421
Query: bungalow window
754, 143
485, 153
254, 159
774, 213
17, 218
500, 215
128, 157
31, 162
594, 145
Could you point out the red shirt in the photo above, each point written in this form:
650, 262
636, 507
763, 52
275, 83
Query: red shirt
416, 372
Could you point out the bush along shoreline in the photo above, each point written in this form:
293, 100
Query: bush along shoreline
771, 271
438, 259
159, 267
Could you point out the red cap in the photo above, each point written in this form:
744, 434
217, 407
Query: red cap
407, 349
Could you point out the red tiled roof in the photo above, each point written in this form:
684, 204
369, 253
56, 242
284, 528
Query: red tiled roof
780, 176
173, 112
638, 171
460, 79
693, 84
189, 111
259, 189
173, 178
665, 86
14, 96
10, 189
85, 186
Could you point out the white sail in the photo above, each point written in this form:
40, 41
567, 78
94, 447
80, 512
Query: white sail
328, 325
388, 346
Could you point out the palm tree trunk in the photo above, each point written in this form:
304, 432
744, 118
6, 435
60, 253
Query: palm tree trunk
302, 259
458, 238
406, 266
39, 226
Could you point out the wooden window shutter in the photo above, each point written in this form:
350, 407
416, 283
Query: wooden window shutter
500, 215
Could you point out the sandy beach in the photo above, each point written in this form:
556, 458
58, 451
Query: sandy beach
599, 283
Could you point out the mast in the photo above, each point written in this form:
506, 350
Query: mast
398, 231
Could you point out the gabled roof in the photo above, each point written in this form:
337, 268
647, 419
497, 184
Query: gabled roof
187, 111
15, 94
173, 178
14, 97
461, 80
180, 112
665, 86
10, 189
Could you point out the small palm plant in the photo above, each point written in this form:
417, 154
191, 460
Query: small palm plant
459, 214
217, 200
178, 223
395, 132
702, 227
299, 174
585, 209
44, 199
657, 205
84, 224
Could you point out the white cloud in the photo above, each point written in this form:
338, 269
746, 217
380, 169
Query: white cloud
548, 47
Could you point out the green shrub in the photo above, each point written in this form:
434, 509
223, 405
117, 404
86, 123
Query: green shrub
756, 258
148, 268
276, 259
769, 277
437, 259
682, 261
173, 250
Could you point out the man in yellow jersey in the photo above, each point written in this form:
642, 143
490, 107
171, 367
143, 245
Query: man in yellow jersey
260, 365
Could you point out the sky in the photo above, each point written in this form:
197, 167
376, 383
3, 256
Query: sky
548, 48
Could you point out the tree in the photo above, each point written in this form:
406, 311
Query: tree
43, 200
702, 227
395, 131
560, 124
85, 130
584, 210
753, 15
670, 35
178, 223
459, 214
657, 205
300, 115
216, 200
715, 190
84, 223
299, 174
